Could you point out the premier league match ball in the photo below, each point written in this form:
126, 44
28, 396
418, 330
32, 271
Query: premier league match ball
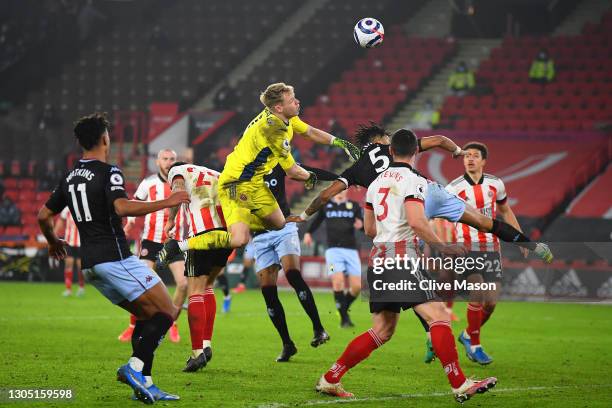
369, 32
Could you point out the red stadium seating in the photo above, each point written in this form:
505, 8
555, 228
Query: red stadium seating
378, 81
595, 201
583, 65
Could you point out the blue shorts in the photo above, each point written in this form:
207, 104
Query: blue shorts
122, 280
439, 203
271, 246
343, 260
249, 251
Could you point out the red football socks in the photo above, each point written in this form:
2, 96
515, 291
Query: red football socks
210, 310
68, 278
443, 344
474, 318
358, 350
197, 320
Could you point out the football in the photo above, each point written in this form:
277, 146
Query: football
369, 32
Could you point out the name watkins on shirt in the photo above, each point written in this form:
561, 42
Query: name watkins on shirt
88, 174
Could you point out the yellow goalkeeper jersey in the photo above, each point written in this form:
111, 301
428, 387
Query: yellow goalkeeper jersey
265, 143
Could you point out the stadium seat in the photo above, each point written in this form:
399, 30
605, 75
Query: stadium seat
571, 102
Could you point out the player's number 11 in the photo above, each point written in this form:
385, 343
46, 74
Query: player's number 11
75, 204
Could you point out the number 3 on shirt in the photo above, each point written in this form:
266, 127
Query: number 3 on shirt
385, 192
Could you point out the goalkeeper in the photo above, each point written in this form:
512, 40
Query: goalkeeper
247, 203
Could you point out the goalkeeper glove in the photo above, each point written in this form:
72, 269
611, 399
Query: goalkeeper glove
350, 149
311, 182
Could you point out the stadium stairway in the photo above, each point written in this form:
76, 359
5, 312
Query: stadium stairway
435, 89
294, 23
587, 11
433, 20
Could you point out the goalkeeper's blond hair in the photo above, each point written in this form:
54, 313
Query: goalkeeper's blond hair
273, 95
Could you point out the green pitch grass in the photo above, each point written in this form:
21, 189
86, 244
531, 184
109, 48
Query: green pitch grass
546, 355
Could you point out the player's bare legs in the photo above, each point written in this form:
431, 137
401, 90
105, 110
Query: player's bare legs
505, 232
177, 268
201, 314
180, 294
274, 221
490, 302
154, 313
267, 280
291, 266
384, 324
153, 301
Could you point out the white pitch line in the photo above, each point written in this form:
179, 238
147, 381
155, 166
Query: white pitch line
433, 394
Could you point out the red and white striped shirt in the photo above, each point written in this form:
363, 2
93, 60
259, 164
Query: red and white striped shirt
484, 196
386, 196
204, 210
154, 188
71, 233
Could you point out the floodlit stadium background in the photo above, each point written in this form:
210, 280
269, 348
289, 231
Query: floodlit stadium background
187, 74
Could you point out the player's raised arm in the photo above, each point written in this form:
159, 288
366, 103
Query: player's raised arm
177, 184
504, 209
324, 196
135, 208
322, 137
443, 142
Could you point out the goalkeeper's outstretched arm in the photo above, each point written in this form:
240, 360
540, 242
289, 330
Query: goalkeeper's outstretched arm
322, 137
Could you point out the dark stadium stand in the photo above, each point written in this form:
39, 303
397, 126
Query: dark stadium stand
139, 61
307, 52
